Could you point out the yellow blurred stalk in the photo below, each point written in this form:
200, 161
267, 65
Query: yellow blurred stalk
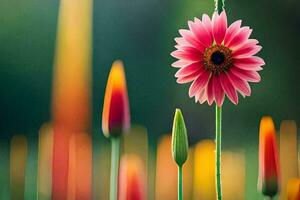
293, 189
288, 155
80, 167
166, 171
204, 171
72, 67
45, 150
233, 173
132, 178
18, 159
71, 85
136, 142
188, 174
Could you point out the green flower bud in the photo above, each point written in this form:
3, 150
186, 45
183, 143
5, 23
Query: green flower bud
180, 145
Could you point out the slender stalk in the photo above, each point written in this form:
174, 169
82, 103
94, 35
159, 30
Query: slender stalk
114, 169
180, 192
218, 151
219, 5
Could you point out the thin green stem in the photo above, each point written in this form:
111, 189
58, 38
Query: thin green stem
114, 169
218, 151
219, 5
180, 192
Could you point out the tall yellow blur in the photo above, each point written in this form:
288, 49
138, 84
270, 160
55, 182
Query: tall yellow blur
166, 171
233, 172
71, 93
80, 167
72, 65
18, 159
204, 171
44, 178
288, 155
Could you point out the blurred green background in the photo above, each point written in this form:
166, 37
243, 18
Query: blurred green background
141, 33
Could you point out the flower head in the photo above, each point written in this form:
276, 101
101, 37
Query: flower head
268, 180
115, 117
217, 59
180, 145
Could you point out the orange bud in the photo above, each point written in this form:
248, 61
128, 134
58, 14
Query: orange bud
116, 117
268, 180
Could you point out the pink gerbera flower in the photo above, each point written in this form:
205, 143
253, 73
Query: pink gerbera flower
217, 59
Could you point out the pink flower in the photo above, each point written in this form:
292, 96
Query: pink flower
217, 59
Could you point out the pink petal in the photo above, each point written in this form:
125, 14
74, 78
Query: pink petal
191, 77
241, 85
252, 63
201, 32
218, 91
228, 88
199, 83
246, 75
181, 63
246, 51
187, 70
188, 49
200, 96
190, 38
186, 55
219, 26
231, 31
209, 91
249, 42
181, 41
207, 24
240, 37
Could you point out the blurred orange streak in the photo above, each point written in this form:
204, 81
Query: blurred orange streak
166, 171
293, 189
80, 167
44, 179
204, 171
288, 155
233, 172
18, 159
71, 85
132, 178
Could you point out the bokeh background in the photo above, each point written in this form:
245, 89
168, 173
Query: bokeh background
141, 33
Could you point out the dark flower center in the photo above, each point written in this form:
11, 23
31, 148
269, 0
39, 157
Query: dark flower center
217, 59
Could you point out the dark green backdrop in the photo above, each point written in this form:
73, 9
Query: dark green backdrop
141, 33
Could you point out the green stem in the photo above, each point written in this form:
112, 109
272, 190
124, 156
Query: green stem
180, 192
218, 151
114, 170
219, 4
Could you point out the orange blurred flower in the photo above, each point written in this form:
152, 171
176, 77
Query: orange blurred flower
116, 117
132, 179
293, 189
268, 180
